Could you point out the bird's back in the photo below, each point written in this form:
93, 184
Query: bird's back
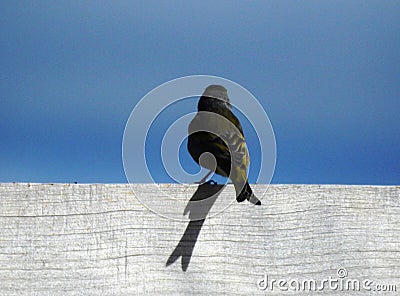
216, 128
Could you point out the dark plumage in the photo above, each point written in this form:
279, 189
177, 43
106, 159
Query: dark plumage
215, 129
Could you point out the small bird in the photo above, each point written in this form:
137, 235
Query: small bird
216, 131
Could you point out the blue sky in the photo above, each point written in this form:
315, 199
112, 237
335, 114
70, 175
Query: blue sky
326, 72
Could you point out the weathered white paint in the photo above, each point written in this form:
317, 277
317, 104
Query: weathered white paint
98, 239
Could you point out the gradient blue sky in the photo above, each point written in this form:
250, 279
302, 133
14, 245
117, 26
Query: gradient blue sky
326, 72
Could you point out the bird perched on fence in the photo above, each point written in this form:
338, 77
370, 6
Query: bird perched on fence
216, 141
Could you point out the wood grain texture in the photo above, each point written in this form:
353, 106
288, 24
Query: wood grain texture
98, 239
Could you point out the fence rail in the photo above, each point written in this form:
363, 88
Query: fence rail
99, 239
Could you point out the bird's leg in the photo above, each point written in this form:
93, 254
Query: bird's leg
205, 178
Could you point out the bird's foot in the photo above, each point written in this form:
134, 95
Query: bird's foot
209, 182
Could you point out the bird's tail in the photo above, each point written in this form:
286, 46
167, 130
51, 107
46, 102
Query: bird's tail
247, 194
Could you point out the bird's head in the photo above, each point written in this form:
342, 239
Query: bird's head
217, 91
214, 98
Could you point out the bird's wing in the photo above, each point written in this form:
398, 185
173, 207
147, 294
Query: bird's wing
235, 138
229, 141
208, 142
228, 114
